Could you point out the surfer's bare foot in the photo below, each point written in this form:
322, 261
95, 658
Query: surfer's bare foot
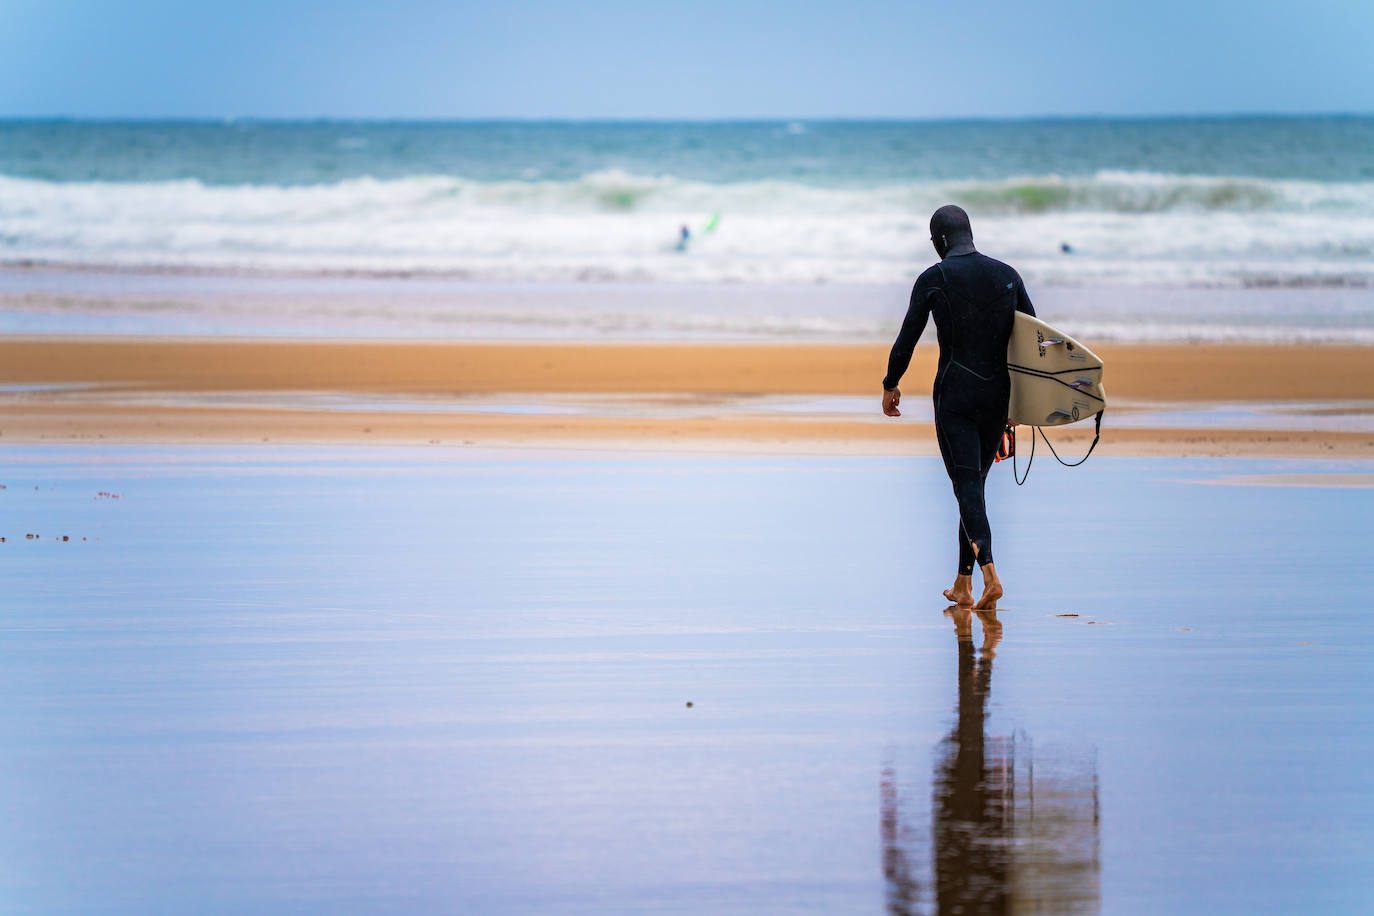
961, 593
992, 588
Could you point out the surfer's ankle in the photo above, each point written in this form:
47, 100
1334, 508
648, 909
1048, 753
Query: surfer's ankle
992, 588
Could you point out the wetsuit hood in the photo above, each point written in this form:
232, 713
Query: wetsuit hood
951, 232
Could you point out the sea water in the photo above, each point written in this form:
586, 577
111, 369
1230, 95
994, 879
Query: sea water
1272, 204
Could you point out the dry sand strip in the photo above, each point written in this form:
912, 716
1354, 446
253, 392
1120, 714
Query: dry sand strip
1157, 373
109, 424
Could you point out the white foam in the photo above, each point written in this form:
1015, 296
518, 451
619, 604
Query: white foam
1129, 228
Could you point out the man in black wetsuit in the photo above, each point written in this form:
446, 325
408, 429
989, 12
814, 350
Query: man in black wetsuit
973, 299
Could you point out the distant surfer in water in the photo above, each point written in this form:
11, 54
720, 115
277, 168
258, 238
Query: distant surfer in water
972, 298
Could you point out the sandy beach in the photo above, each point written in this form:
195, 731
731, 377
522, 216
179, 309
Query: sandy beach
175, 390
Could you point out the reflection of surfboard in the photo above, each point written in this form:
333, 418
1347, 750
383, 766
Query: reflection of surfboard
1054, 378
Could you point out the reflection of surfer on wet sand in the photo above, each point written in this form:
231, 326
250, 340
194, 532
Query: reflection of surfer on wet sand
971, 831
963, 629
1012, 830
972, 826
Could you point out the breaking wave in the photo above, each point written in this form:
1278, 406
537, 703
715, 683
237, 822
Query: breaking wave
1125, 227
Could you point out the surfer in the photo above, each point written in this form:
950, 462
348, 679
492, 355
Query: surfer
972, 298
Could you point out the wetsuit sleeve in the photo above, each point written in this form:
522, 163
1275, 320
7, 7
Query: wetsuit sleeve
917, 314
1023, 303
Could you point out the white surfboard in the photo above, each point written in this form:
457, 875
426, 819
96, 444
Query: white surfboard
1054, 378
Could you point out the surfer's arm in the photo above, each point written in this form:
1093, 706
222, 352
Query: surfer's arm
1023, 303
917, 314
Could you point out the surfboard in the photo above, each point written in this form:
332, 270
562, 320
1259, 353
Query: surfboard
1054, 378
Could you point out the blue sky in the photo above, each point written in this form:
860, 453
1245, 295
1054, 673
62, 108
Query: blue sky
706, 59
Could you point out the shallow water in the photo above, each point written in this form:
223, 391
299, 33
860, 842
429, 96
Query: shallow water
133, 303
361, 679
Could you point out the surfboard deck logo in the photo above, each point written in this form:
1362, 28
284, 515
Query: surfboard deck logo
1054, 379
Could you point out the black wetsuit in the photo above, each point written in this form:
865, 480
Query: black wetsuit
972, 298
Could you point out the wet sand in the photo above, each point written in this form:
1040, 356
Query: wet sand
360, 679
30, 411
750, 434
616, 629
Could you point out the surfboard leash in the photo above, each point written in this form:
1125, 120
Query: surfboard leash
1009, 445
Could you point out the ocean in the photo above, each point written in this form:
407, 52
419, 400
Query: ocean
455, 228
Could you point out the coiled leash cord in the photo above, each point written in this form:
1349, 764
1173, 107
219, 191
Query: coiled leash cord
1008, 449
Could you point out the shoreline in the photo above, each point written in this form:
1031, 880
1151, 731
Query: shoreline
60, 390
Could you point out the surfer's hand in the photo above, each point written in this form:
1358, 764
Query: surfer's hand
890, 401
1012, 423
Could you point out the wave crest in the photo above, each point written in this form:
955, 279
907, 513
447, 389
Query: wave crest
1121, 226
615, 191
1123, 192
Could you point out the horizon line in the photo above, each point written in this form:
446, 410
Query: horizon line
651, 120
